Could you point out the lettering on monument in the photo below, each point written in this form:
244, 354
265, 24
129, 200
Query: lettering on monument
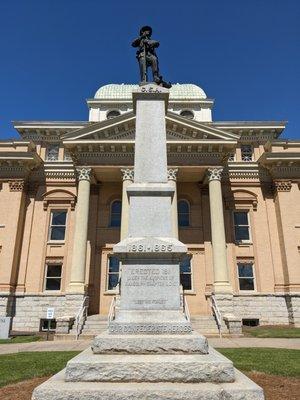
152, 276
150, 89
158, 248
150, 328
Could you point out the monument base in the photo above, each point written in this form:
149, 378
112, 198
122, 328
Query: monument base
150, 344
57, 388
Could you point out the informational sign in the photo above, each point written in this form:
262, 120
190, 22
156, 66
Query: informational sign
4, 327
50, 313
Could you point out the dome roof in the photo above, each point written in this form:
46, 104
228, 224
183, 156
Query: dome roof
184, 91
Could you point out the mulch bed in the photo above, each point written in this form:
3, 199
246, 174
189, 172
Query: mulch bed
275, 387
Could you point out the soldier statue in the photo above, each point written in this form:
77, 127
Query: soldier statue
147, 57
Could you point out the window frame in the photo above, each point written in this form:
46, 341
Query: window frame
107, 290
242, 241
48, 148
47, 264
253, 277
111, 213
191, 290
52, 210
252, 152
189, 213
112, 110
189, 110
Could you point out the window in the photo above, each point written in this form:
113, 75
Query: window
186, 273
231, 157
115, 213
67, 155
250, 322
247, 152
52, 152
187, 114
53, 277
246, 277
112, 114
241, 226
183, 213
113, 272
44, 325
57, 228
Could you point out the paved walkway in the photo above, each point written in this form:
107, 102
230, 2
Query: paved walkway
67, 345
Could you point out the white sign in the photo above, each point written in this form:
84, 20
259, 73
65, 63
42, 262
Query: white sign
50, 313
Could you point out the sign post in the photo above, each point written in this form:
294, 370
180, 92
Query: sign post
50, 316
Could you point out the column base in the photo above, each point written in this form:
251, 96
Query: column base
222, 288
76, 288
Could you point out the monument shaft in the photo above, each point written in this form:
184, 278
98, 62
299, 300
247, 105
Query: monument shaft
150, 287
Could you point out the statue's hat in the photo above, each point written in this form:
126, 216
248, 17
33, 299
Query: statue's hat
146, 28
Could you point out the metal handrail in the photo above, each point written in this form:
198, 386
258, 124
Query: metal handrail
112, 310
217, 313
81, 316
186, 309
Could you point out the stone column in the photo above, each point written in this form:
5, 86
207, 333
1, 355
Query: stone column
172, 178
77, 282
221, 279
128, 174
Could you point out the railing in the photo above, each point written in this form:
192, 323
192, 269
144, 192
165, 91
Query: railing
217, 313
81, 316
186, 310
112, 310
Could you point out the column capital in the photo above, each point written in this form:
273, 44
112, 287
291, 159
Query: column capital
214, 174
127, 174
172, 174
84, 173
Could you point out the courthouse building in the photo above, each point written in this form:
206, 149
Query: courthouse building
63, 205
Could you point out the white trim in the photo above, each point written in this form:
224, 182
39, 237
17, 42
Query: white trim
245, 261
49, 240
47, 263
242, 242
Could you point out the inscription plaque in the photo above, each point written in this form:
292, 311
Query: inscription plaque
150, 286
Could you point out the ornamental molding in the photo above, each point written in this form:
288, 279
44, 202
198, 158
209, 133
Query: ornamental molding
127, 174
16, 185
172, 174
84, 173
214, 174
283, 186
59, 196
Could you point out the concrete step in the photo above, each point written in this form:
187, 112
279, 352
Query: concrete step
184, 368
56, 388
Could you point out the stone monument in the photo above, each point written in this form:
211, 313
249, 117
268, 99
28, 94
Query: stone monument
149, 339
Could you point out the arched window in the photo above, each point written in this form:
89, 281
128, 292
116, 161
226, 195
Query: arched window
112, 114
187, 114
183, 213
115, 213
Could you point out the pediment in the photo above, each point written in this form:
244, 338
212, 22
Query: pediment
123, 128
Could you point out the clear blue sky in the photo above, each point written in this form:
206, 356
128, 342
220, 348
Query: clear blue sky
56, 53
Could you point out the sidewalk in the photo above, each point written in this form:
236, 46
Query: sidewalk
69, 345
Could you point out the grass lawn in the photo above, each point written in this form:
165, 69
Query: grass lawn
21, 339
272, 332
284, 362
21, 366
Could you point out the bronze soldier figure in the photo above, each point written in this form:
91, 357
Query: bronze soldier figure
147, 57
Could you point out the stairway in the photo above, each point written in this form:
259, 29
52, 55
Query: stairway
206, 325
96, 324
93, 326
